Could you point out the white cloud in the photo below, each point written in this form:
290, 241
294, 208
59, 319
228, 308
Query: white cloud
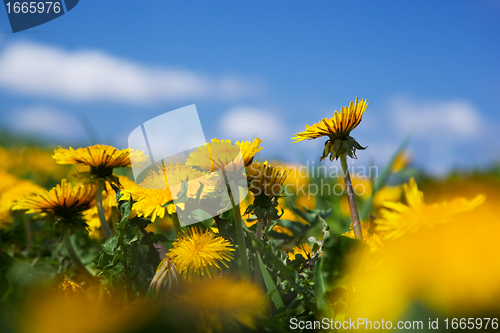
39, 70
454, 119
454, 124
45, 121
243, 123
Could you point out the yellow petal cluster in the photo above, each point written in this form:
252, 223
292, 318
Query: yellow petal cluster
64, 201
101, 158
337, 127
154, 192
219, 154
266, 179
200, 253
303, 249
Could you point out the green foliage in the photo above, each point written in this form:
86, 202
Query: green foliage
128, 259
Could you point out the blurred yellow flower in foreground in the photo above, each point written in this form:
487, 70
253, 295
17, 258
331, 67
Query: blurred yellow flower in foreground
387, 193
200, 253
72, 312
64, 202
397, 218
453, 268
369, 236
222, 304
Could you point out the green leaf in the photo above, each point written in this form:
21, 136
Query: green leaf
311, 216
126, 209
336, 250
200, 215
110, 245
319, 286
156, 238
271, 287
134, 239
199, 192
228, 215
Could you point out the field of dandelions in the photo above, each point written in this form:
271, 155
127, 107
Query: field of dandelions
84, 248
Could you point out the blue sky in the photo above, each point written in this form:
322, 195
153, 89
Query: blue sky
265, 68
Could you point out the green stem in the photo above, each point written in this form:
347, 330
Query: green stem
258, 236
177, 224
75, 259
106, 231
240, 236
356, 225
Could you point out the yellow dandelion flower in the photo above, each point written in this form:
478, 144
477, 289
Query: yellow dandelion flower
303, 249
200, 253
266, 179
222, 304
337, 129
77, 312
109, 194
397, 218
387, 193
219, 154
100, 158
64, 202
153, 193
150, 202
249, 149
9, 197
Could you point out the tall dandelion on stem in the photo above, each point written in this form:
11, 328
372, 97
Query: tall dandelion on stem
340, 145
102, 160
